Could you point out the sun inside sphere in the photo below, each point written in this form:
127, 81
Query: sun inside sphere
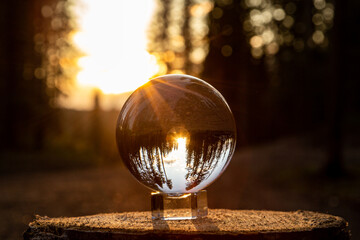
176, 134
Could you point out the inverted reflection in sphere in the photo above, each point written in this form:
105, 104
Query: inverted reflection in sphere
176, 134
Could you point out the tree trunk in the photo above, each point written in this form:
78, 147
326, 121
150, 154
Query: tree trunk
337, 96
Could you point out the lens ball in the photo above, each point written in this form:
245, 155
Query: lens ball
176, 134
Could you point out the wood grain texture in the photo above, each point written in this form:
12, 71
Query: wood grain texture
220, 224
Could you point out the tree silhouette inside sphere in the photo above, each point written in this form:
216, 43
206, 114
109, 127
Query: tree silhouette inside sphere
176, 135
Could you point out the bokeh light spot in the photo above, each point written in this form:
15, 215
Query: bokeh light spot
40, 73
253, 3
279, 14
256, 41
267, 16
299, 45
319, 4
217, 13
198, 55
268, 36
201, 9
317, 19
318, 37
257, 52
272, 48
328, 14
226, 50
290, 8
288, 21
46, 11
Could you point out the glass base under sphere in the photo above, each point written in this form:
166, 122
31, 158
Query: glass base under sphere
176, 134
179, 206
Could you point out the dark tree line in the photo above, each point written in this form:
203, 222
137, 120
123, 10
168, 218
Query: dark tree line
283, 74
293, 72
146, 153
33, 50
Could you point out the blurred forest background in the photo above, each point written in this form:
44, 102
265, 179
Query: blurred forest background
288, 69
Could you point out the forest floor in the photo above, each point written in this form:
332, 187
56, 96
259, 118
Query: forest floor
282, 175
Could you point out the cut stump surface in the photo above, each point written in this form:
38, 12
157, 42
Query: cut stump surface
219, 224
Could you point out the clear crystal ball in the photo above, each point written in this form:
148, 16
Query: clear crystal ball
176, 134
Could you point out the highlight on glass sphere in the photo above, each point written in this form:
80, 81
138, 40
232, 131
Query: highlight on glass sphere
176, 134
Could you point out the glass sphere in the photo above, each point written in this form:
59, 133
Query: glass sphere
176, 134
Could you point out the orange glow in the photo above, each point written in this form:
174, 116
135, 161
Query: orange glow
201, 9
112, 36
181, 141
178, 154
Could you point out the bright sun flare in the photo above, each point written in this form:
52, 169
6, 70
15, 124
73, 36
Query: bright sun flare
112, 36
178, 153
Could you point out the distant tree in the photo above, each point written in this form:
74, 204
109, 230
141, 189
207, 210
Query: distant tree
278, 63
280, 81
96, 130
230, 68
158, 31
337, 97
34, 51
283, 39
186, 32
177, 35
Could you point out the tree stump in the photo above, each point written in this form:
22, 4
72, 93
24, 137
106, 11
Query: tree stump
219, 224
